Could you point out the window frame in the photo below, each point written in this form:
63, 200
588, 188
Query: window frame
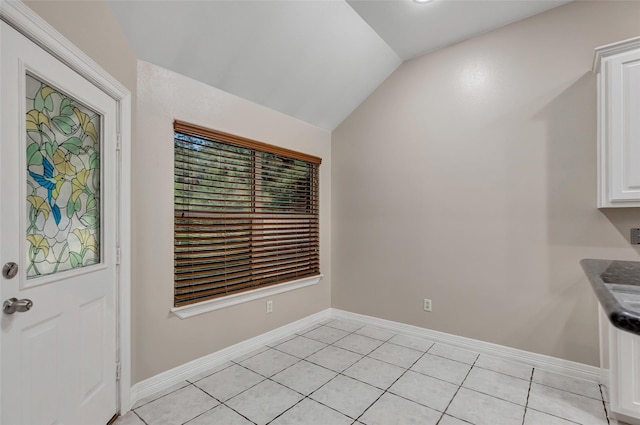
265, 290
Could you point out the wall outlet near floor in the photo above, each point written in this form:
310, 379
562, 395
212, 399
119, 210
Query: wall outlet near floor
427, 305
269, 306
635, 236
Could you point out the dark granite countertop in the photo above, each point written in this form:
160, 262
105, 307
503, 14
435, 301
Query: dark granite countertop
617, 286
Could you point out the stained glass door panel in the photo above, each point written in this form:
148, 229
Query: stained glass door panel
63, 181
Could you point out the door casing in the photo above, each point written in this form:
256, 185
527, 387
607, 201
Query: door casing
36, 29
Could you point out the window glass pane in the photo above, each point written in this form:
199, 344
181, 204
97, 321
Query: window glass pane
63, 181
286, 184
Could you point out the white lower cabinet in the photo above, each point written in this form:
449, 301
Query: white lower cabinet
624, 374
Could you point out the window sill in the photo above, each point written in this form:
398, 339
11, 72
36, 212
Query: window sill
231, 300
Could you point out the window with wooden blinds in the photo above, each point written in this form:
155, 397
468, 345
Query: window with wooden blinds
246, 214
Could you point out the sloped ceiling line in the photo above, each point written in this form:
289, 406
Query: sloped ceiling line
312, 60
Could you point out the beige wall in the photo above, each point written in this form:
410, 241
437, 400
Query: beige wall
92, 27
164, 340
469, 177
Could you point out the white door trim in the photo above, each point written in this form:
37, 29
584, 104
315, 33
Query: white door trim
32, 26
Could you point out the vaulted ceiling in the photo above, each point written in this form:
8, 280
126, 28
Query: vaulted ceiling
312, 60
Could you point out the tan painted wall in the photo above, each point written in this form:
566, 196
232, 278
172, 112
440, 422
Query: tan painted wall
92, 27
469, 177
167, 341
161, 341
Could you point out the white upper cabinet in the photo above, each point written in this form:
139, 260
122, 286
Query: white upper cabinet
618, 68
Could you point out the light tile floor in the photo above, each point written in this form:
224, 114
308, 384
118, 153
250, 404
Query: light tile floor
342, 372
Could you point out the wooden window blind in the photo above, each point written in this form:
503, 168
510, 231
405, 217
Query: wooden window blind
246, 214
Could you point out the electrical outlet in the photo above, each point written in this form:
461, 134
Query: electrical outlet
269, 306
427, 305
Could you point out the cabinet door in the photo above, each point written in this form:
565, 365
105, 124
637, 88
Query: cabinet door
625, 373
621, 87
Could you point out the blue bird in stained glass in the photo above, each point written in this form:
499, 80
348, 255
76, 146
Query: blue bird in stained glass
48, 182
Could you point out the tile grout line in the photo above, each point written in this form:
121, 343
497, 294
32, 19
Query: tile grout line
526, 404
231, 408
554, 415
307, 396
547, 413
309, 361
604, 404
354, 332
139, 417
396, 380
458, 390
208, 410
241, 392
223, 403
493, 395
301, 358
289, 408
339, 339
220, 403
216, 399
344, 330
321, 366
268, 378
341, 372
314, 400
570, 392
287, 387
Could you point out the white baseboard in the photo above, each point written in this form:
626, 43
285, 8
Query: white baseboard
173, 376
541, 361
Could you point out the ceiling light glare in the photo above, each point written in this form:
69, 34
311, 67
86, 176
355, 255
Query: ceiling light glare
422, 1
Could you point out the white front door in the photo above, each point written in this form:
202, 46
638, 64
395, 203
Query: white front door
58, 210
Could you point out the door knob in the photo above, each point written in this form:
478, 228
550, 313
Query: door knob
12, 305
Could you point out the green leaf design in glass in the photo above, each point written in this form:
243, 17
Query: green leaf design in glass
64, 124
63, 181
73, 145
65, 107
34, 157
